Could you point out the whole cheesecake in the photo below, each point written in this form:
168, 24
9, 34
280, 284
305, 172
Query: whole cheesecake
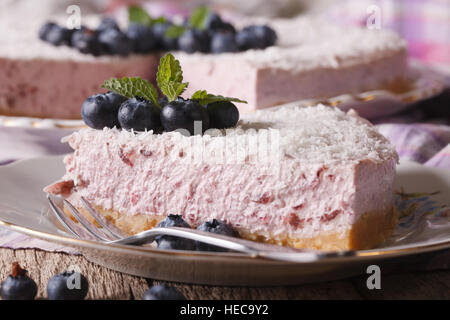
312, 177
312, 59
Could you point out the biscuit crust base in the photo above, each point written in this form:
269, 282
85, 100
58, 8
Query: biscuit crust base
371, 229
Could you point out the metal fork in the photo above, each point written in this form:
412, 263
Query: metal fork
109, 233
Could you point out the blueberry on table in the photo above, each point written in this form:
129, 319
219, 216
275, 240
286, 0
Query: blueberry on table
217, 227
86, 41
107, 23
222, 114
18, 285
170, 242
163, 292
142, 37
115, 42
194, 40
69, 285
58, 36
101, 110
223, 42
184, 114
256, 37
140, 115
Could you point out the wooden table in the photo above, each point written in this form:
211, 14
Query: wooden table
425, 276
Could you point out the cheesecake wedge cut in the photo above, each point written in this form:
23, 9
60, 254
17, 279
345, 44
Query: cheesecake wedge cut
306, 177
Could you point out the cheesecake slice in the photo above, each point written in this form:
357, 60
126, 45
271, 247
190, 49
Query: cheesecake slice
312, 177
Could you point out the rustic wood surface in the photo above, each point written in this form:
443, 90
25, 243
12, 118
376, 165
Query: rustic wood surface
426, 276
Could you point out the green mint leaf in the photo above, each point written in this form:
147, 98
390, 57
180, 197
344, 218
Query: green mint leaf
198, 17
138, 15
173, 89
133, 87
170, 77
174, 31
202, 97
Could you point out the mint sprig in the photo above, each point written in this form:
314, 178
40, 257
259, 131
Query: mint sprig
138, 15
203, 97
174, 31
133, 87
198, 17
170, 77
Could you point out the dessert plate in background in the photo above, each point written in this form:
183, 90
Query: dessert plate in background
422, 200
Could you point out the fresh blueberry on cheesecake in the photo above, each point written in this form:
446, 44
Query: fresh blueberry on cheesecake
164, 39
194, 40
142, 37
45, 29
140, 115
69, 285
222, 114
107, 23
223, 42
174, 243
86, 41
214, 23
217, 227
115, 42
57, 35
186, 115
18, 285
256, 37
146, 110
163, 292
100, 110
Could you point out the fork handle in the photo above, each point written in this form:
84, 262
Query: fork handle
251, 248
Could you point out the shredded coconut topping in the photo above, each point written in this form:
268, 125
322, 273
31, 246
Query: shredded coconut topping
318, 134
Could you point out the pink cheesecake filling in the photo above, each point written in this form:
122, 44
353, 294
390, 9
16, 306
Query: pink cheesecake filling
323, 171
39, 87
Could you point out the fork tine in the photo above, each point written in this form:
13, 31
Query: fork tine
90, 227
116, 232
71, 226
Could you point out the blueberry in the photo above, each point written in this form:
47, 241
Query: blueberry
215, 23
194, 40
58, 36
223, 42
162, 41
44, 30
140, 115
256, 37
170, 242
163, 292
100, 110
181, 114
142, 37
69, 285
222, 114
86, 41
115, 42
217, 227
18, 286
107, 23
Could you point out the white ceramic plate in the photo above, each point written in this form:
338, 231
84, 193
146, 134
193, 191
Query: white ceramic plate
425, 226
